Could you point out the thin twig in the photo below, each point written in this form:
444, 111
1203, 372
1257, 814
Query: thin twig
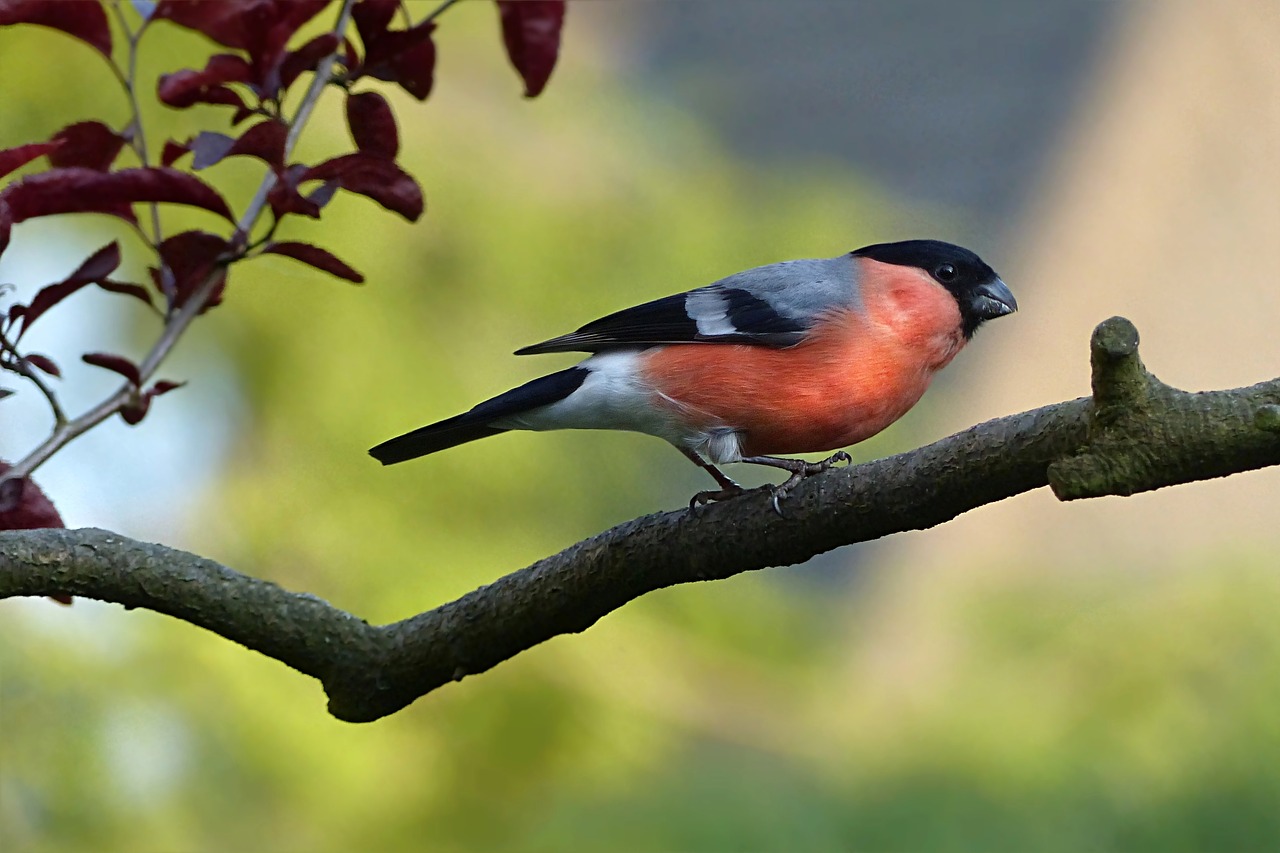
23, 368
439, 10
128, 80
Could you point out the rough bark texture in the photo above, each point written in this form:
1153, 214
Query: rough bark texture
1134, 434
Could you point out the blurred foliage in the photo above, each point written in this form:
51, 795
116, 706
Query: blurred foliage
1017, 708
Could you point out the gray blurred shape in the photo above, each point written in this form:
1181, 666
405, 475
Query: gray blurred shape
949, 103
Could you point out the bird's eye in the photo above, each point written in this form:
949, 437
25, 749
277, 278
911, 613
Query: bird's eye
945, 273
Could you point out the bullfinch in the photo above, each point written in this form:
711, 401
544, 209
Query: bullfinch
792, 357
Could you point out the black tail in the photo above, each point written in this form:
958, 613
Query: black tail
475, 424
429, 439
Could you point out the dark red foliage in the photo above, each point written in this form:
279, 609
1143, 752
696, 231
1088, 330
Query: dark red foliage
190, 258
174, 151
45, 363
12, 159
82, 190
372, 18
85, 21
306, 58
379, 179
531, 31
117, 363
90, 144
406, 57
187, 87
284, 196
136, 409
99, 265
6, 223
316, 257
373, 126
137, 291
265, 140
23, 506
261, 28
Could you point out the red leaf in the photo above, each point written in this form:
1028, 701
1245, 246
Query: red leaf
184, 88
414, 68
531, 31
87, 143
6, 223
243, 113
225, 23
284, 197
265, 140
45, 363
262, 28
372, 18
116, 363
174, 151
306, 58
164, 386
379, 179
12, 159
407, 57
134, 411
190, 258
373, 126
85, 21
243, 24
98, 266
316, 257
81, 190
23, 506
137, 291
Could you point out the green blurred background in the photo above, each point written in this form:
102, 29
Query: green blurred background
1099, 694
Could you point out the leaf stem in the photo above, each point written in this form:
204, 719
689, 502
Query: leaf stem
23, 368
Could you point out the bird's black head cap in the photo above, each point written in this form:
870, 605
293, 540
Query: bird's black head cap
979, 292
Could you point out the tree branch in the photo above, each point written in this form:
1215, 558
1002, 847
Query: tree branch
1135, 434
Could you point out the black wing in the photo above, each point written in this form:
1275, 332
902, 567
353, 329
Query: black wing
709, 315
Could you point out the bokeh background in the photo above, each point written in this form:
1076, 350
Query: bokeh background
1033, 676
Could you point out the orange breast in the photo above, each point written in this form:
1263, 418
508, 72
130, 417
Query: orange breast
858, 372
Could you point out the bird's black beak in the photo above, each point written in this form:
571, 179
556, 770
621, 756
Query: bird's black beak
993, 299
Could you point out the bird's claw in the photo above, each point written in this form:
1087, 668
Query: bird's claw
806, 469
833, 460
712, 495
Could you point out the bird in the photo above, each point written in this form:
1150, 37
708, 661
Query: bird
800, 356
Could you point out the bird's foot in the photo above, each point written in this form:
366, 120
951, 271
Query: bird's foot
712, 495
800, 469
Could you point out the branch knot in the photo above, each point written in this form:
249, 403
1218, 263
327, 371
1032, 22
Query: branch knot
1120, 448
